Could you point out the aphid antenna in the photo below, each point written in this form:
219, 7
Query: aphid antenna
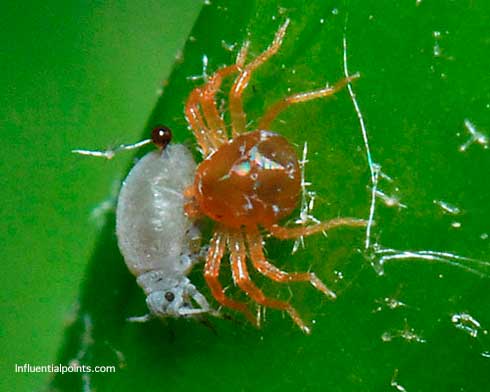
111, 153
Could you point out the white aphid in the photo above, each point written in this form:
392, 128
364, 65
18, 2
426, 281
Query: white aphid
155, 236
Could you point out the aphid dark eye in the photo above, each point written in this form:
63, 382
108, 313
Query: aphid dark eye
161, 136
169, 296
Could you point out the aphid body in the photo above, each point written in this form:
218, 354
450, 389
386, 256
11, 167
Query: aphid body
155, 237
159, 243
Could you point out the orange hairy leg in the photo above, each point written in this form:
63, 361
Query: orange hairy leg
284, 103
211, 274
269, 270
216, 124
210, 134
238, 117
191, 208
196, 122
242, 279
284, 233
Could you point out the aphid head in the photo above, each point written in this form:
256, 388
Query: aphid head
167, 297
166, 303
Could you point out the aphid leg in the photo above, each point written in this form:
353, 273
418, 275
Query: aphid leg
242, 279
191, 312
216, 124
201, 301
111, 153
259, 261
238, 117
279, 106
284, 233
211, 274
140, 319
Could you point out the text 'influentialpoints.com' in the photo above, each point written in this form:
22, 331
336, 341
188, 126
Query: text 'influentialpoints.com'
59, 368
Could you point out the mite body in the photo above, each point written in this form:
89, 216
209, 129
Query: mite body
248, 182
159, 243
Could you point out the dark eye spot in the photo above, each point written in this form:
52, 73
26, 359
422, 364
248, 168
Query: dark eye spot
161, 136
169, 296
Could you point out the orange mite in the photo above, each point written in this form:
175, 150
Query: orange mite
247, 182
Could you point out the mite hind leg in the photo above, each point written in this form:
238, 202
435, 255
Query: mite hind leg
285, 233
211, 274
269, 270
242, 278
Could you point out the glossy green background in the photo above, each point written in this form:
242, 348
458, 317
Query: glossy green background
414, 101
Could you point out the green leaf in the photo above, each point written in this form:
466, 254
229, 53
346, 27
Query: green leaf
420, 326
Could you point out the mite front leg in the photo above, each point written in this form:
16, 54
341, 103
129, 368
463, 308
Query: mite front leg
259, 261
284, 103
211, 274
191, 207
284, 233
238, 117
242, 279
208, 104
196, 122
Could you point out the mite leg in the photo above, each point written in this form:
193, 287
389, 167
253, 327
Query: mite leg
191, 207
210, 134
296, 232
207, 99
211, 274
259, 261
279, 106
213, 134
238, 118
242, 279
196, 122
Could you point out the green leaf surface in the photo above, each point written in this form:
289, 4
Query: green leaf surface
416, 324
421, 79
74, 75
399, 328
